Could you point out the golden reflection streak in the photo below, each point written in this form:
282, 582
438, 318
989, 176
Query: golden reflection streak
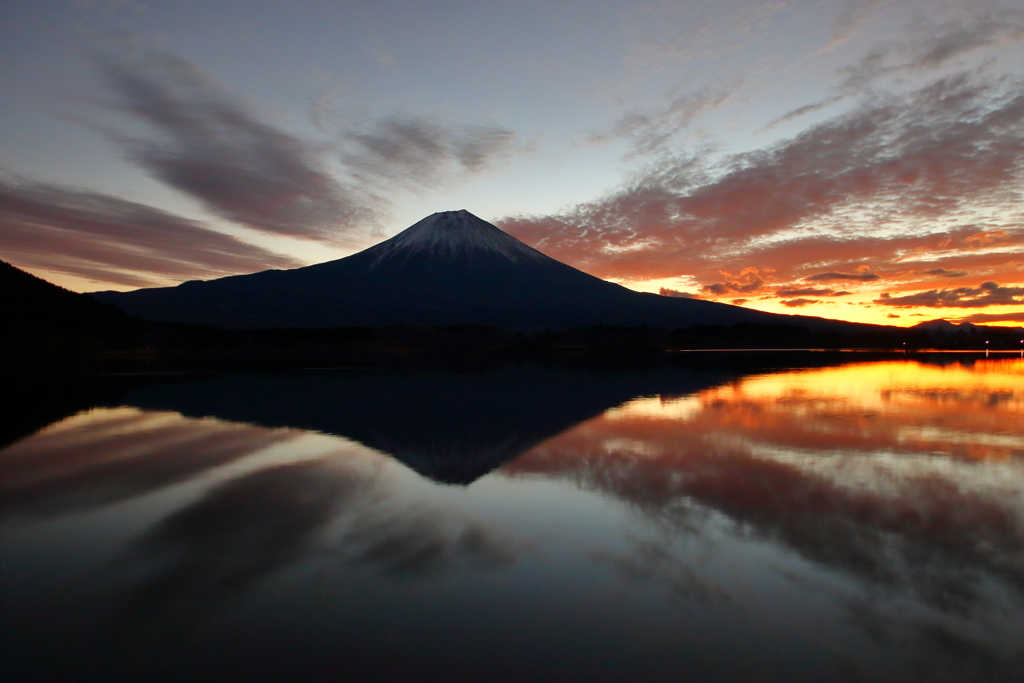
975, 412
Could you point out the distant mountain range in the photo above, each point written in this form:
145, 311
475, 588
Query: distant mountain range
945, 326
450, 268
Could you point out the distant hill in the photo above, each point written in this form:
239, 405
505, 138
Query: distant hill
35, 311
450, 268
944, 327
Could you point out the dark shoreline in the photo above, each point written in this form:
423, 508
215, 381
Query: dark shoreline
159, 347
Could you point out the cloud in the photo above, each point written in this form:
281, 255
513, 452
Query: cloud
256, 524
945, 273
876, 182
797, 303
421, 152
852, 17
726, 287
992, 318
664, 291
103, 456
749, 280
933, 43
893, 315
671, 36
806, 109
988, 294
652, 131
105, 239
211, 145
991, 238
825, 277
739, 302
808, 291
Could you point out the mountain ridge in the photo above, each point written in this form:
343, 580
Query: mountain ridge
451, 268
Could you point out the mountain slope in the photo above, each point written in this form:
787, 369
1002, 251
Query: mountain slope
33, 310
451, 268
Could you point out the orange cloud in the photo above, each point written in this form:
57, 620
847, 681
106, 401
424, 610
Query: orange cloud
665, 291
749, 280
988, 294
808, 291
967, 134
867, 185
945, 273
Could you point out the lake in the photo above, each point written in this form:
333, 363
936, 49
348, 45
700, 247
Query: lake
850, 518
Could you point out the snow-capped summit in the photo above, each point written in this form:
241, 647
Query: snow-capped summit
450, 234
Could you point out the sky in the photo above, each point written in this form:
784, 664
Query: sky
853, 159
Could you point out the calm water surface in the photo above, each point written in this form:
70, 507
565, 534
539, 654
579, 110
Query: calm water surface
860, 522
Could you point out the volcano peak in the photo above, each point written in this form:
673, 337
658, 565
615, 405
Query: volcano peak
452, 233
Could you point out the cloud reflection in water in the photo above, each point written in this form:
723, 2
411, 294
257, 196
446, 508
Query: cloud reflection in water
104, 456
908, 478
251, 526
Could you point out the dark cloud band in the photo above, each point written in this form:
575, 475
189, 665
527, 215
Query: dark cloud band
826, 277
988, 294
102, 238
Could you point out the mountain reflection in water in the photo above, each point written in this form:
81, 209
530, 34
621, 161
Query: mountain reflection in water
857, 522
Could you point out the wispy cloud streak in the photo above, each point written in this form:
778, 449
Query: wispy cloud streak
422, 153
102, 238
651, 132
929, 44
832, 275
211, 145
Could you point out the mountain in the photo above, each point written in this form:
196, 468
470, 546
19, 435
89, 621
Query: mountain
451, 428
36, 312
450, 268
943, 325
